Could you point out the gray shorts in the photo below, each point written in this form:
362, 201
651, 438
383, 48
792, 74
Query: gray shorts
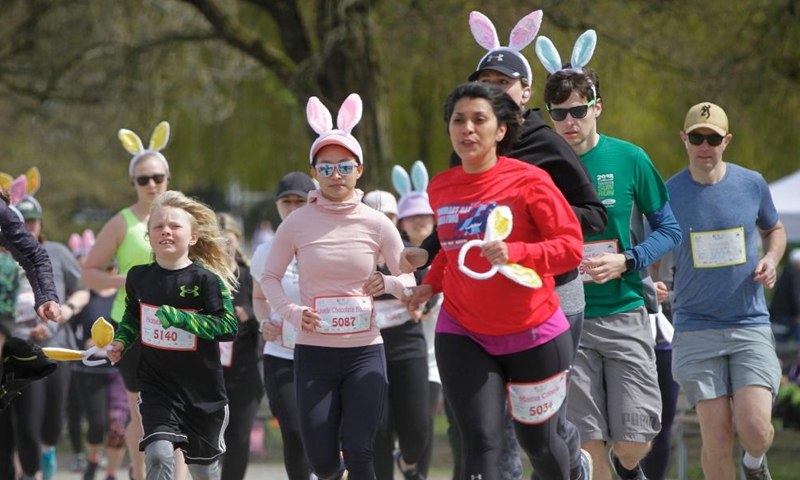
716, 362
614, 392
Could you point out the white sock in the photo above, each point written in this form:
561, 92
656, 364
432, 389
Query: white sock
752, 462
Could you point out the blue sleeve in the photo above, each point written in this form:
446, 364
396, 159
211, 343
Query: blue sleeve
665, 236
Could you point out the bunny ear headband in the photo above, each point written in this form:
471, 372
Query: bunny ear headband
319, 117
413, 201
102, 336
24, 185
81, 244
133, 144
521, 36
581, 53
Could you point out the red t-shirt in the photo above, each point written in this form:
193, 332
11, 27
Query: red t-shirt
546, 236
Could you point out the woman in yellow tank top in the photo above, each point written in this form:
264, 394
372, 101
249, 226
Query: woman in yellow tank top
123, 238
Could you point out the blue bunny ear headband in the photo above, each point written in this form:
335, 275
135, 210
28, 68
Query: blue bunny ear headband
581, 53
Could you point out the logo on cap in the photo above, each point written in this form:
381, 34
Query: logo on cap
499, 57
706, 111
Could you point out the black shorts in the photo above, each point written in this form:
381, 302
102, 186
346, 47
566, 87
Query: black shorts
200, 436
128, 366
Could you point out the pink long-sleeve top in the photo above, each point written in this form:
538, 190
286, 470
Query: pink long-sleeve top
337, 245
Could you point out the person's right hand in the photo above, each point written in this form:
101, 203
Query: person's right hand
412, 258
418, 296
50, 310
40, 333
115, 352
270, 331
661, 291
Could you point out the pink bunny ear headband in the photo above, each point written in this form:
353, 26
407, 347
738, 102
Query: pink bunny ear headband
25, 185
81, 244
319, 117
133, 144
521, 36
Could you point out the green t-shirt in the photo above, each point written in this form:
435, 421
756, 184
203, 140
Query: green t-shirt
9, 286
629, 185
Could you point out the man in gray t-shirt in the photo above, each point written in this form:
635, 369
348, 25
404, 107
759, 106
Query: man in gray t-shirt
723, 350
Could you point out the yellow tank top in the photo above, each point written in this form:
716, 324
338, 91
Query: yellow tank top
134, 250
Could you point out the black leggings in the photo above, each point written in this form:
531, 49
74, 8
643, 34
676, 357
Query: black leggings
434, 399
242, 406
474, 384
280, 387
406, 415
105, 402
340, 399
656, 463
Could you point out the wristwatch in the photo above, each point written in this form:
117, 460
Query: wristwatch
630, 262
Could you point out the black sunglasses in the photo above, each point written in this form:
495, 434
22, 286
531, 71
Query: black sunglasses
143, 180
559, 114
713, 140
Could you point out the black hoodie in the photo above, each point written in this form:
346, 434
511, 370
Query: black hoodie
538, 145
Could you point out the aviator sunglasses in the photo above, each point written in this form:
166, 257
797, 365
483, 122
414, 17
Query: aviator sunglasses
559, 114
143, 180
325, 170
713, 140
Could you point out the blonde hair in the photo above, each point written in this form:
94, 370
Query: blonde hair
227, 223
210, 249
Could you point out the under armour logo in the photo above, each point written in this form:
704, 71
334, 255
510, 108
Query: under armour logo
499, 58
476, 477
194, 290
706, 111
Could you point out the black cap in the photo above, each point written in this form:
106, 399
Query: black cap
295, 183
505, 61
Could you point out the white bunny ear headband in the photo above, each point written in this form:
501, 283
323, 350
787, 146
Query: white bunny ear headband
521, 36
581, 53
319, 117
413, 190
133, 144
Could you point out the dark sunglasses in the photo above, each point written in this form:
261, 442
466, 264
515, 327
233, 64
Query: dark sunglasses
158, 178
325, 170
713, 140
559, 114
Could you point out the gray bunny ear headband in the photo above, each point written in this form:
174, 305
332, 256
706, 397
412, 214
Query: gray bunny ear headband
582, 52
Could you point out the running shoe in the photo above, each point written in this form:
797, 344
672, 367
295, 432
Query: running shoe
411, 474
760, 473
622, 472
49, 463
586, 465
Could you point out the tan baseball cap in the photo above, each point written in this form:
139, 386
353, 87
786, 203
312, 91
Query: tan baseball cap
706, 115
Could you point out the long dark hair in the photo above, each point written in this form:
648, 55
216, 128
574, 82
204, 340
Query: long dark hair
504, 107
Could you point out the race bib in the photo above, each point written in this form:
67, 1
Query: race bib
592, 249
226, 353
535, 403
390, 313
343, 315
156, 336
288, 335
720, 248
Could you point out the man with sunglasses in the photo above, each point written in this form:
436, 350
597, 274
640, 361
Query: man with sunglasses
614, 395
723, 350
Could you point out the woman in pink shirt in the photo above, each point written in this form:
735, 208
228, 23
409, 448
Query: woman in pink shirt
340, 366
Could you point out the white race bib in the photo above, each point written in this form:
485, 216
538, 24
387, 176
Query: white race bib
721, 248
288, 335
226, 353
390, 313
156, 336
343, 315
592, 249
535, 403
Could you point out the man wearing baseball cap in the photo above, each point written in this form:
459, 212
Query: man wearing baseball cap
723, 350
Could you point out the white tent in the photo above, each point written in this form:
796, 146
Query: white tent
786, 195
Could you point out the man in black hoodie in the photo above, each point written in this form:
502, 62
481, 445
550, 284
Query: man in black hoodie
538, 145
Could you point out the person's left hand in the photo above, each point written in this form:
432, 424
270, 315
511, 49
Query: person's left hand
496, 252
50, 310
40, 332
661, 291
241, 313
604, 267
766, 273
375, 285
115, 352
